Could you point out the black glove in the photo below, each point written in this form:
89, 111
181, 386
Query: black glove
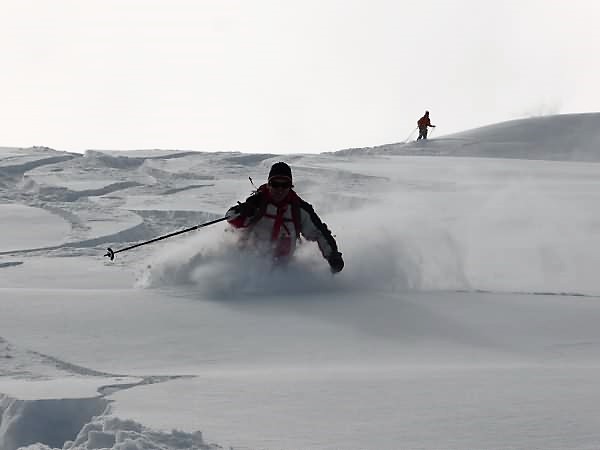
336, 263
245, 209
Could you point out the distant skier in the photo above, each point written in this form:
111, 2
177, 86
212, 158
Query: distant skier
274, 217
423, 123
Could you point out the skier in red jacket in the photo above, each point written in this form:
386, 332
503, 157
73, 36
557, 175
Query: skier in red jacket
274, 217
423, 123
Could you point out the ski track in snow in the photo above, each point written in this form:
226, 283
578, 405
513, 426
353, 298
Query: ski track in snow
22, 422
47, 363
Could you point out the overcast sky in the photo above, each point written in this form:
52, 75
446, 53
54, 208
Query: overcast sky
285, 76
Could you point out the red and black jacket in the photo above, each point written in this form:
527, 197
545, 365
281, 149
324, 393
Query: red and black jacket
279, 226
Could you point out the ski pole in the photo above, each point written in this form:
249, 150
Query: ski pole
431, 132
410, 135
111, 253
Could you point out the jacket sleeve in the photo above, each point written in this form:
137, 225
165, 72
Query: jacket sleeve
313, 229
241, 215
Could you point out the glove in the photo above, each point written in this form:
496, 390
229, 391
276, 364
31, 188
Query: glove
232, 213
336, 263
241, 209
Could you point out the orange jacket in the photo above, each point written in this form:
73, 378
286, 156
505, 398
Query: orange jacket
424, 122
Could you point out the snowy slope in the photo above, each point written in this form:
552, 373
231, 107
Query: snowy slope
572, 137
466, 316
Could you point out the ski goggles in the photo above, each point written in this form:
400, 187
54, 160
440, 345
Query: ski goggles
280, 183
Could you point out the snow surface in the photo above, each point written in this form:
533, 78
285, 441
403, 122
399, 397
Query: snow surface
466, 317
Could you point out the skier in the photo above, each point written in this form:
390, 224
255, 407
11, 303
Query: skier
274, 217
423, 123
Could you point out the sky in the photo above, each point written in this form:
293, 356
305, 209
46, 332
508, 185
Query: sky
466, 315
285, 77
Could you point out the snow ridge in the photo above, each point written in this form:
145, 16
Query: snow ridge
76, 423
82, 424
